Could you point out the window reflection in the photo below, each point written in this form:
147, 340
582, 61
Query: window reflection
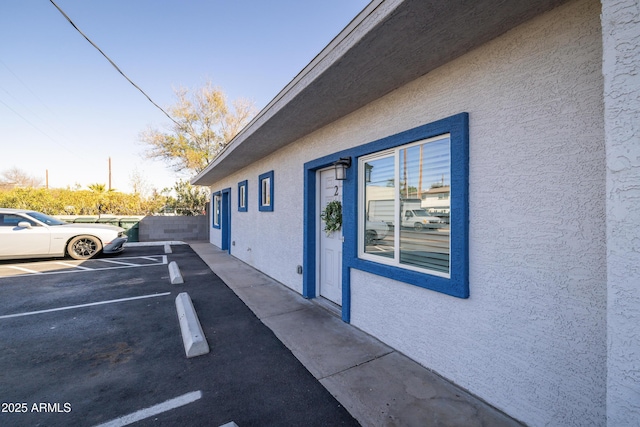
424, 235
407, 209
266, 192
217, 202
380, 218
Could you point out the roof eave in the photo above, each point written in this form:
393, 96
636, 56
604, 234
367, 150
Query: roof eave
390, 43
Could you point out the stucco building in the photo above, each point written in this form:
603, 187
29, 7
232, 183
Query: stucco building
528, 293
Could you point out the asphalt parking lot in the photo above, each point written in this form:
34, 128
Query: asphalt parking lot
98, 342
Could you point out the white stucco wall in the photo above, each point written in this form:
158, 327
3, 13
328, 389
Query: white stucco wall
621, 69
269, 241
531, 339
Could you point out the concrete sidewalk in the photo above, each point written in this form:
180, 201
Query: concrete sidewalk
376, 384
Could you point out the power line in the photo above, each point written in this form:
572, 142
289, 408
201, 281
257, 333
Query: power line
42, 120
112, 63
28, 88
38, 129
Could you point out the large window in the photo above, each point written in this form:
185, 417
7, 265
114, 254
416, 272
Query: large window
401, 223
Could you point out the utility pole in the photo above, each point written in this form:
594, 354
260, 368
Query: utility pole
47, 178
109, 173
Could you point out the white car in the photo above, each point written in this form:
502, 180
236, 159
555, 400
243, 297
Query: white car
376, 230
29, 234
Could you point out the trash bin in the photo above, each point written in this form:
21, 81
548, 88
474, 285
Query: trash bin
134, 233
132, 227
86, 219
110, 221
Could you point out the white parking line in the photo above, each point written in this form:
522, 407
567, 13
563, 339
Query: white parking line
66, 264
71, 307
119, 262
156, 260
26, 270
176, 402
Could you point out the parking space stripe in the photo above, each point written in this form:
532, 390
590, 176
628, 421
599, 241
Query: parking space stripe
176, 402
66, 264
71, 307
94, 263
26, 270
152, 257
119, 262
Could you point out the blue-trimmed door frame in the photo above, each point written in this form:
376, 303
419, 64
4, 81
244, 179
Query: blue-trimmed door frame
225, 220
310, 234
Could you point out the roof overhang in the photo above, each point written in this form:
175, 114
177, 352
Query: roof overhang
389, 44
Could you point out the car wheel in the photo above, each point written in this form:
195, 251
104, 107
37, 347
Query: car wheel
83, 247
370, 237
418, 226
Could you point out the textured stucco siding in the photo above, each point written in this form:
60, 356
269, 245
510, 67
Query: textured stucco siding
531, 339
185, 228
269, 241
621, 69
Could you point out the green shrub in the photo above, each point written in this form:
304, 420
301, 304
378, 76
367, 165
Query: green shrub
80, 202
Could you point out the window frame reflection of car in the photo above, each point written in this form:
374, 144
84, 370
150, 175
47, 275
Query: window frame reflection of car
14, 220
30, 223
35, 218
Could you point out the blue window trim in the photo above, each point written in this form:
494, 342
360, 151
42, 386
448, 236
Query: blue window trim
215, 216
244, 184
457, 284
269, 207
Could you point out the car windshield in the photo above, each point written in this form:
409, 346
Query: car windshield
49, 220
420, 212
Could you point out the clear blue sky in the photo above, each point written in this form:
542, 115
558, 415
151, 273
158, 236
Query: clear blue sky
65, 109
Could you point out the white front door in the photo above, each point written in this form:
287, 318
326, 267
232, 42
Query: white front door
330, 246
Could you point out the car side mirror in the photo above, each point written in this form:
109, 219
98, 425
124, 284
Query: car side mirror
24, 224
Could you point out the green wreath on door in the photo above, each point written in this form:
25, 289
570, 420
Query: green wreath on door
332, 217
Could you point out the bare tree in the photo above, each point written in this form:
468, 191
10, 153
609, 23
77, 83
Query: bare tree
16, 177
139, 183
204, 124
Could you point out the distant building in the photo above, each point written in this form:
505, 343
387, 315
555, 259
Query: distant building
436, 200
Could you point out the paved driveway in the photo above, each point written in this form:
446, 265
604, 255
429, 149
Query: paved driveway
86, 343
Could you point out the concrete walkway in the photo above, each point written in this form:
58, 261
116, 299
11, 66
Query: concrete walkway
376, 384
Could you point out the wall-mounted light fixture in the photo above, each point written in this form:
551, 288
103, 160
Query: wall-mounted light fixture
341, 167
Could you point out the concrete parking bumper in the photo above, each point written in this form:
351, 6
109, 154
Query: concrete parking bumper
195, 343
174, 274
